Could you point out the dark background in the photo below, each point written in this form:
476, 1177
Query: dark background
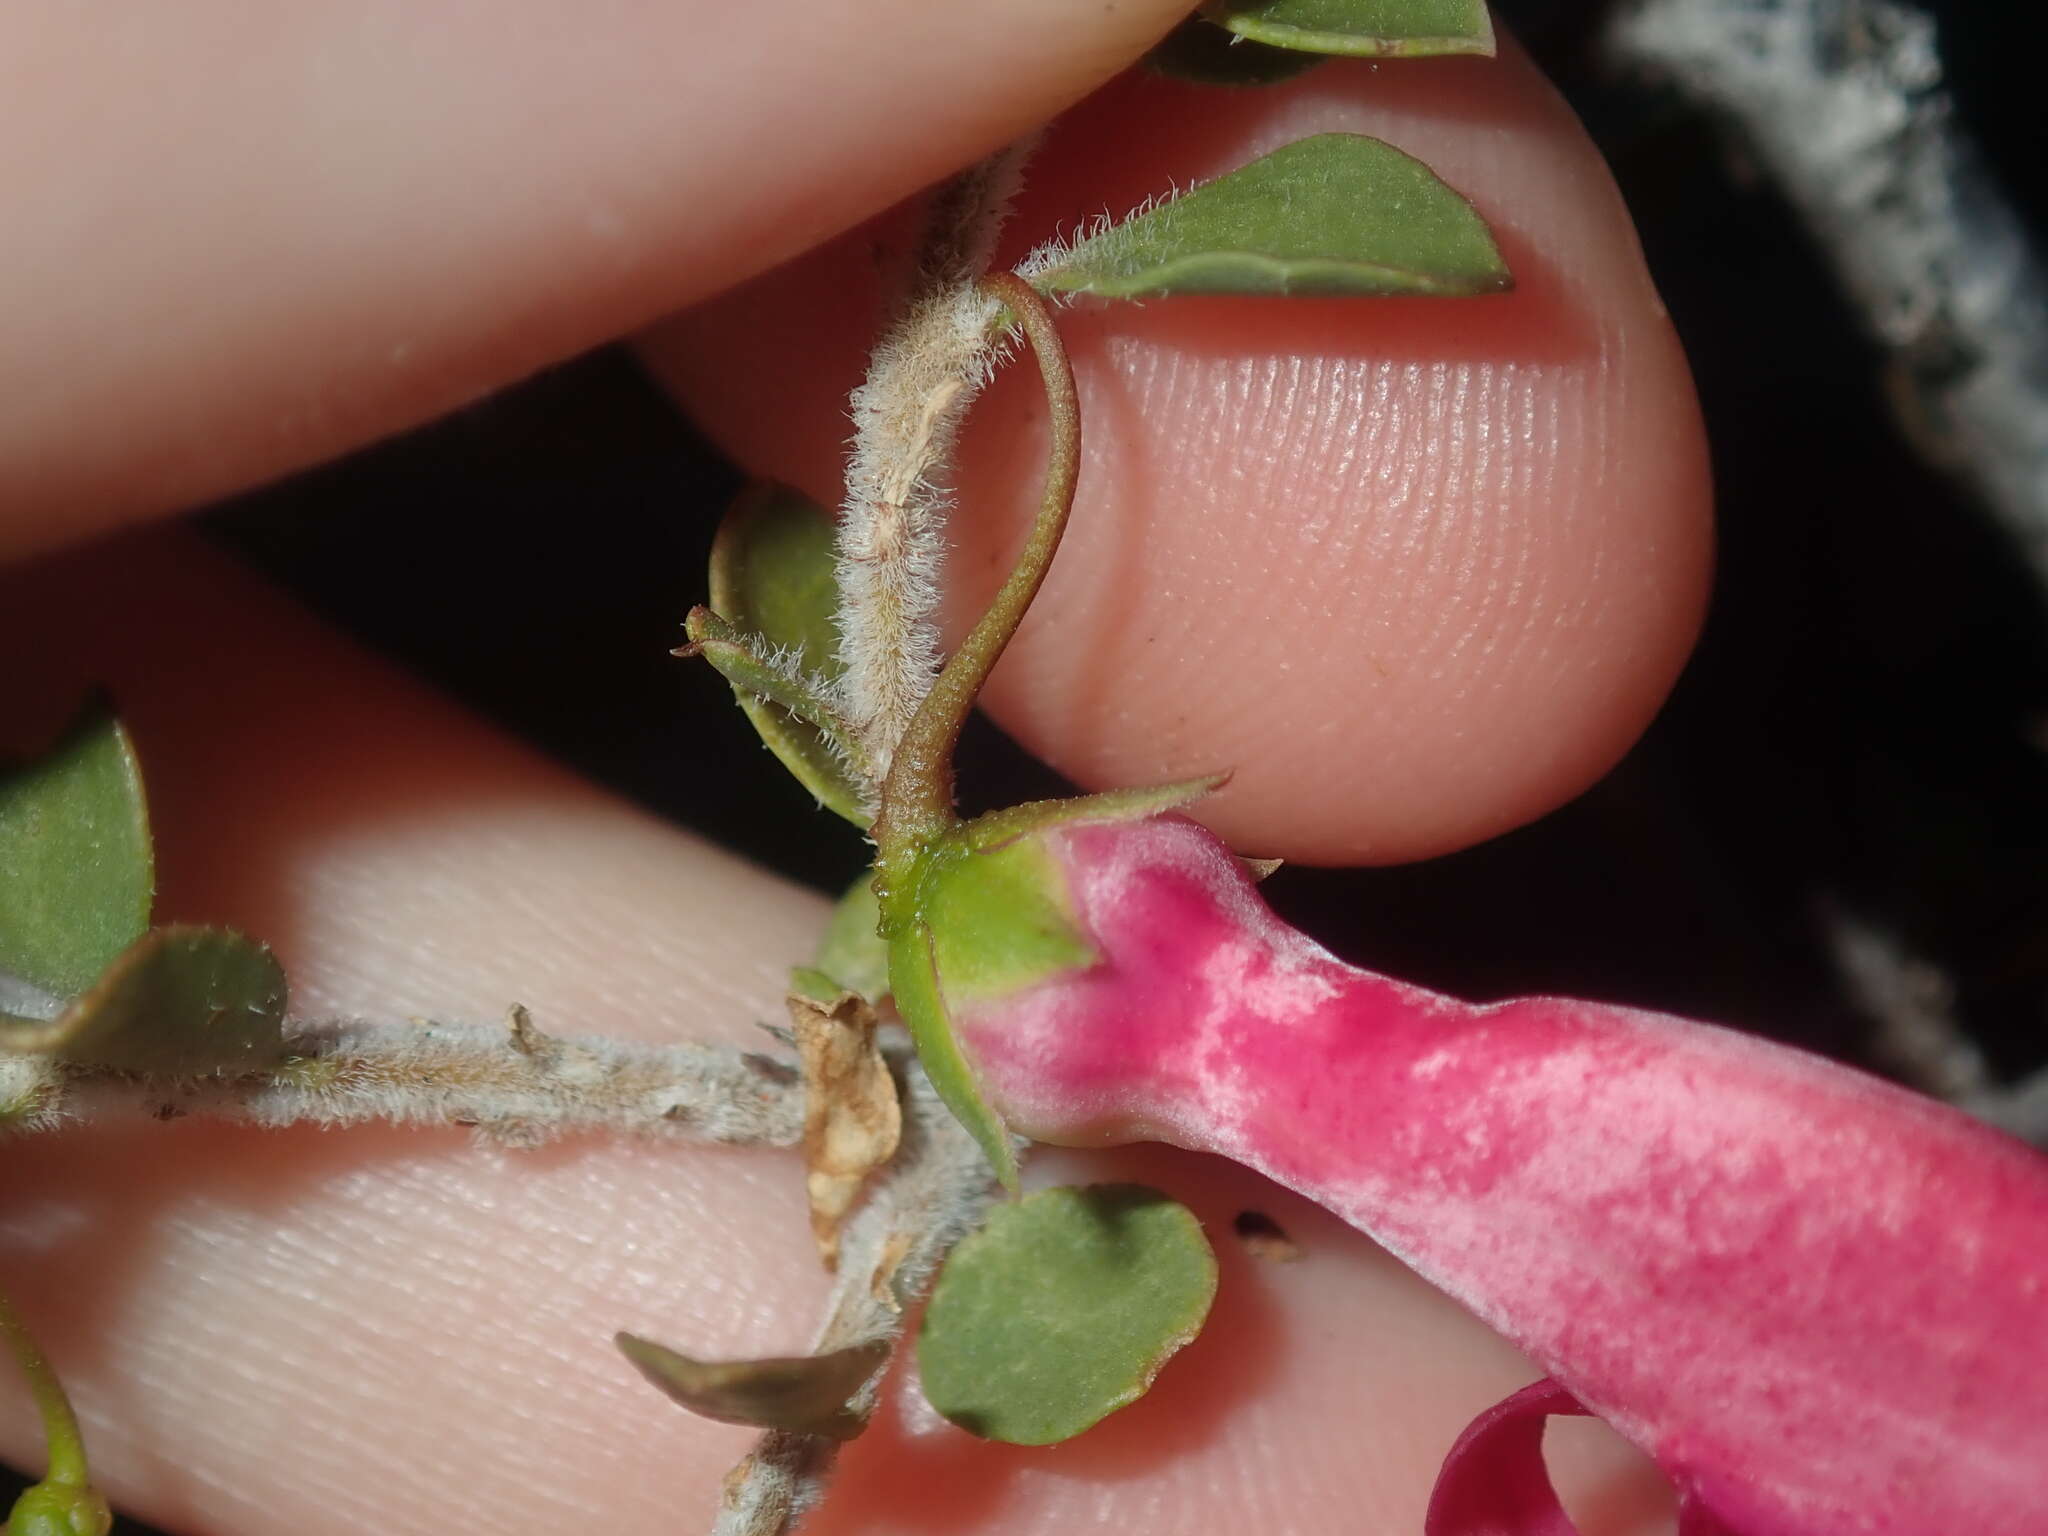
1865, 725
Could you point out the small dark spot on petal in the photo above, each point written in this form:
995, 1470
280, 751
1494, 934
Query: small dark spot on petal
1264, 1238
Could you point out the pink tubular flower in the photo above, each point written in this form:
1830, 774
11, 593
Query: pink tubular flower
1818, 1301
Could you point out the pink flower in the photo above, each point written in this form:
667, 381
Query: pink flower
1818, 1301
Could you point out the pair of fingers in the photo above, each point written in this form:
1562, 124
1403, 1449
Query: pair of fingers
1417, 570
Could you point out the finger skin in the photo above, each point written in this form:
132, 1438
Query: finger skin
241, 241
1416, 570
339, 1332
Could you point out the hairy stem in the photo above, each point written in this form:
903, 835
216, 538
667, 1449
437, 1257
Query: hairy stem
925, 373
937, 1190
513, 1086
917, 795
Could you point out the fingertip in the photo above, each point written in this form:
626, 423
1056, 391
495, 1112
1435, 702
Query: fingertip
1417, 570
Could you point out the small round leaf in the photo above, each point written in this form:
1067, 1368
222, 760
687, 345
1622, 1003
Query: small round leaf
1062, 1310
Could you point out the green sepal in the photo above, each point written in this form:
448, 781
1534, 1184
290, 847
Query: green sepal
1000, 918
852, 956
178, 1002
921, 1004
77, 875
1012, 822
775, 588
800, 1394
1062, 1309
1375, 29
1335, 215
984, 913
1203, 53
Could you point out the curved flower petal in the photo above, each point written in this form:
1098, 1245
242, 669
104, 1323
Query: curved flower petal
1494, 1482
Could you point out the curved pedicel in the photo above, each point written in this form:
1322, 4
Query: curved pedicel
1818, 1301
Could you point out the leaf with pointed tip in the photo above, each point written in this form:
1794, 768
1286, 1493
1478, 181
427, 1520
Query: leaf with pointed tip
1378, 29
852, 953
765, 678
1335, 215
76, 873
178, 1002
1062, 1310
772, 574
803, 1394
1205, 54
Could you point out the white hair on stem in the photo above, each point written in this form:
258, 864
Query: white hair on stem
513, 1086
924, 375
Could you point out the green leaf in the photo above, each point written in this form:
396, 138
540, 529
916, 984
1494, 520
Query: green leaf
852, 953
772, 575
1205, 54
76, 873
803, 1394
1337, 214
1380, 29
1062, 1310
178, 1002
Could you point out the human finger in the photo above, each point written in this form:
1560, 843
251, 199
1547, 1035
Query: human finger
1417, 570
396, 1330
238, 244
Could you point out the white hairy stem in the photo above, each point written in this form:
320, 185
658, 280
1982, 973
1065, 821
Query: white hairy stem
924, 375
514, 1086
936, 1191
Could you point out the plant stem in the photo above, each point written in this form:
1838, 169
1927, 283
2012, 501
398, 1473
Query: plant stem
917, 795
60, 1424
518, 1087
938, 1189
928, 368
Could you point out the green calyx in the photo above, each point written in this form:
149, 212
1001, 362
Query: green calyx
982, 912
972, 925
